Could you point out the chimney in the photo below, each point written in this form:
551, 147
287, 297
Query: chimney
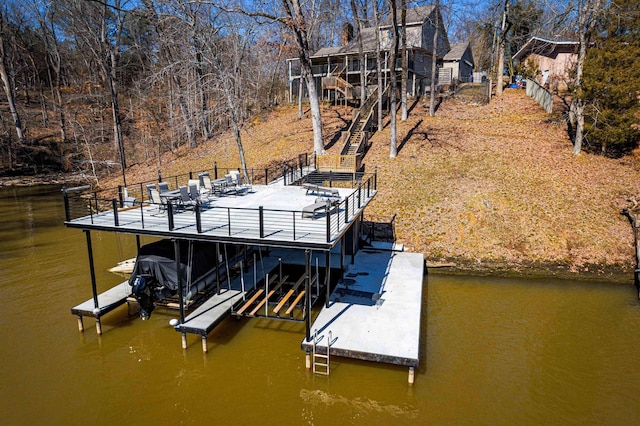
347, 33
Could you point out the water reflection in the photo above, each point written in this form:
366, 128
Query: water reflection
494, 351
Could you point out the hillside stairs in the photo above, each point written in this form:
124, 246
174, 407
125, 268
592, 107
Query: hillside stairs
355, 139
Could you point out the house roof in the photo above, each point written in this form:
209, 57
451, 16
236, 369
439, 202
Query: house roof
368, 45
415, 15
456, 52
541, 45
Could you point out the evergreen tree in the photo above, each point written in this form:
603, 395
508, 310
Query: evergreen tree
612, 81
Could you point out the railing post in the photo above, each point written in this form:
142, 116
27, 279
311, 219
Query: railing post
114, 203
67, 213
190, 175
229, 219
346, 210
284, 173
159, 176
198, 222
170, 215
215, 170
266, 176
294, 225
261, 217
375, 178
327, 214
330, 178
359, 195
120, 196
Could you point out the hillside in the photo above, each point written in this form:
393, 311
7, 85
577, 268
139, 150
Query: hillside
484, 189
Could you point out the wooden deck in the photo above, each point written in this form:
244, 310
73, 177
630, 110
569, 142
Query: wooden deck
375, 311
267, 215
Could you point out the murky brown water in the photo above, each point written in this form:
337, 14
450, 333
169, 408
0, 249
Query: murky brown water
495, 351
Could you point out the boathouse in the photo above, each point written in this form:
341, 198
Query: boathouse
281, 242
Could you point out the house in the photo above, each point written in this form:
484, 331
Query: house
337, 69
553, 60
460, 61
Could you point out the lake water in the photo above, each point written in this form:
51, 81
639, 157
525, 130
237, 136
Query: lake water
493, 351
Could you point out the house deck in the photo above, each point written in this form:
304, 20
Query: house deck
374, 312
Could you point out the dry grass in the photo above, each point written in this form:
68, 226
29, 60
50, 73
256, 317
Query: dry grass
491, 188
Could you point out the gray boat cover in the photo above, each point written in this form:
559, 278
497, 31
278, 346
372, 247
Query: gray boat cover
157, 261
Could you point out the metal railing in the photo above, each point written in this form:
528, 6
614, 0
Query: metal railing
79, 203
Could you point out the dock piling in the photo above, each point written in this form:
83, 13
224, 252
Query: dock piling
184, 340
411, 375
205, 349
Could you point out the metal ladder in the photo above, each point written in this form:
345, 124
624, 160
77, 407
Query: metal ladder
321, 361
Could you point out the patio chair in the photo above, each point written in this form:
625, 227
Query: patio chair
194, 193
164, 187
154, 197
149, 188
185, 200
205, 185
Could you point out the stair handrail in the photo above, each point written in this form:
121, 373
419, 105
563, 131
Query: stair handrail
366, 108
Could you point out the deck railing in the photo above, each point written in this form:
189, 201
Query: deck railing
137, 193
221, 221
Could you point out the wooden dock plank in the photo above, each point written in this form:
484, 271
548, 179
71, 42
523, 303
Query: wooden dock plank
250, 302
286, 297
295, 302
271, 292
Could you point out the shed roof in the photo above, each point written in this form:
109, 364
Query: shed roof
456, 52
541, 45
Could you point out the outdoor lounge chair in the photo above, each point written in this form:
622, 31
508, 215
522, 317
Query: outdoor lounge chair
321, 205
164, 187
205, 184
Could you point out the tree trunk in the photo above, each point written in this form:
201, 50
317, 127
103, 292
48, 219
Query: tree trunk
434, 65
404, 60
504, 28
7, 84
379, 69
300, 31
393, 148
361, 59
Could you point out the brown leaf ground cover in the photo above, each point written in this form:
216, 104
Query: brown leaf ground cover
490, 189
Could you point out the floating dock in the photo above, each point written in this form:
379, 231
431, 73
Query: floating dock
105, 302
374, 313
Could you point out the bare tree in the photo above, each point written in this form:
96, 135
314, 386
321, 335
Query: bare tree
588, 12
361, 59
434, 64
393, 148
502, 41
379, 70
291, 16
6, 81
404, 60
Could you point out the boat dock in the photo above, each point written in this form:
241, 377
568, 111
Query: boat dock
218, 307
374, 313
